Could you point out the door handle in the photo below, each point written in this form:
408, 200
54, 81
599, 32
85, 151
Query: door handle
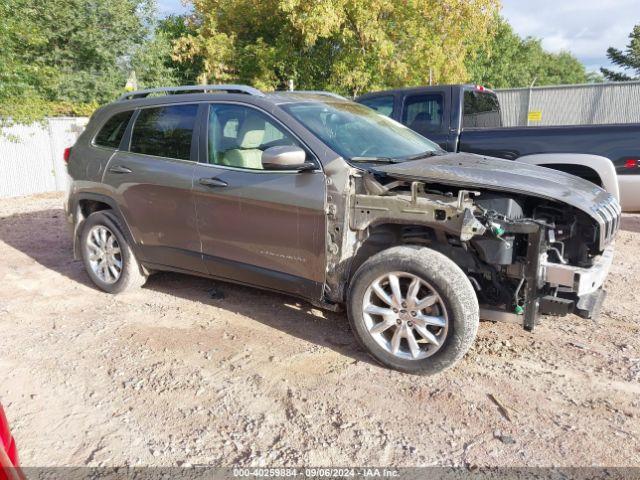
120, 169
212, 182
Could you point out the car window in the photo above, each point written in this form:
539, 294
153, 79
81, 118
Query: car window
165, 131
111, 132
481, 109
383, 105
237, 136
423, 113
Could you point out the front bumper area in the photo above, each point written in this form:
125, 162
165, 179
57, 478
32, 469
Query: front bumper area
554, 288
588, 306
578, 280
579, 289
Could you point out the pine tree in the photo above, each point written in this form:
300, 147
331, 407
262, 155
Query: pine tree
627, 60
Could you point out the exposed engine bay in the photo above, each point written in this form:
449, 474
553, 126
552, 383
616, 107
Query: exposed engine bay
520, 252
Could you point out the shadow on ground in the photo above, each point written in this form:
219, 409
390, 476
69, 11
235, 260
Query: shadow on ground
44, 236
630, 223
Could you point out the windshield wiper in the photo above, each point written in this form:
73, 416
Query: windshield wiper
430, 153
372, 159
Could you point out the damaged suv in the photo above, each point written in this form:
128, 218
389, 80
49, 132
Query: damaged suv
312, 195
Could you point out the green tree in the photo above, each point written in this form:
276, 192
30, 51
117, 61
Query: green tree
628, 60
152, 63
509, 61
83, 46
17, 35
561, 69
343, 45
171, 30
68, 56
594, 77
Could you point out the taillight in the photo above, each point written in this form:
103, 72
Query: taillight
480, 88
8, 453
67, 154
632, 163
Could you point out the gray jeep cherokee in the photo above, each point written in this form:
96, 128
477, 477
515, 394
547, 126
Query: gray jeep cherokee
312, 195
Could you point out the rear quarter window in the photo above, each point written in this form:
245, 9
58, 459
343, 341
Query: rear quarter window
481, 109
111, 132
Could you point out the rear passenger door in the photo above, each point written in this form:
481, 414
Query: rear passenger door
151, 178
260, 227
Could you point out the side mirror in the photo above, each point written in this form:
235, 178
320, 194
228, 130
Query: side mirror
286, 157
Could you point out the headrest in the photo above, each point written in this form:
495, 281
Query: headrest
422, 117
251, 132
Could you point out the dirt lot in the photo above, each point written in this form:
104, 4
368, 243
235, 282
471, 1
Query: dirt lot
168, 375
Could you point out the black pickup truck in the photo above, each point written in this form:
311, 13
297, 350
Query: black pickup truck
467, 118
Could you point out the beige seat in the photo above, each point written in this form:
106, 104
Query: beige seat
250, 137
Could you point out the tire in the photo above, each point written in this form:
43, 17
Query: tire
130, 274
451, 319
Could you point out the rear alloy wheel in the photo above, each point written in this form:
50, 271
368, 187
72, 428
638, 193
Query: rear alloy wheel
106, 254
413, 309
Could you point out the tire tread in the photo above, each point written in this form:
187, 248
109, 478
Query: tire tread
132, 275
453, 286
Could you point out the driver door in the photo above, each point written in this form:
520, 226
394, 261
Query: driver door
258, 227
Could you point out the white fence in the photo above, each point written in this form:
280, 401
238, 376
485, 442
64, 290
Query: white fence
597, 103
31, 156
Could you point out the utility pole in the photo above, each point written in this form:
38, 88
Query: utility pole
529, 98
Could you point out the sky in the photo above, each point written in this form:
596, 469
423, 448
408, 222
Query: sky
585, 28
167, 7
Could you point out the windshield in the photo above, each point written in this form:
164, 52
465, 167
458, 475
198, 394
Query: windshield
358, 132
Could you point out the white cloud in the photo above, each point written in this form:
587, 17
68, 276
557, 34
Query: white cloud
586, 28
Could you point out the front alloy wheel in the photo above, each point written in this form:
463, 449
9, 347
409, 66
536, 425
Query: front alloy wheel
413, 309
405, 315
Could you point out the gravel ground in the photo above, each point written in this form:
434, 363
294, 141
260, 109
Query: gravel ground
168, 375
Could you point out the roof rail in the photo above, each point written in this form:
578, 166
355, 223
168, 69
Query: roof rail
193, 88
319, 92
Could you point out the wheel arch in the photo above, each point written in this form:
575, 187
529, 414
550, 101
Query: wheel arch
386, 235
591, 165
85, 204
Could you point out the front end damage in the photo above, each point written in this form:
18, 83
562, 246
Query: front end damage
524, 255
